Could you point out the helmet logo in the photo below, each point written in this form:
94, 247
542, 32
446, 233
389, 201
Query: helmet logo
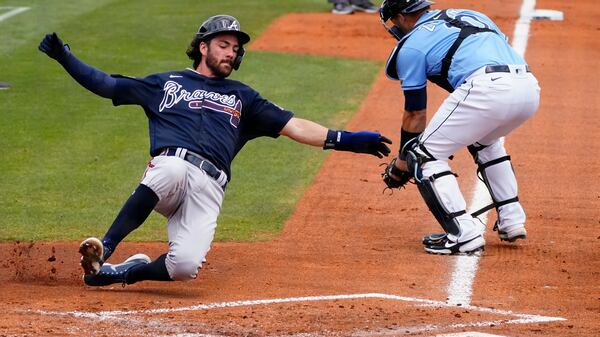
233, 25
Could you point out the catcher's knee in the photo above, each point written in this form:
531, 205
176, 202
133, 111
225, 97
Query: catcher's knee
394, 177
495, 169
414, 162
485, 153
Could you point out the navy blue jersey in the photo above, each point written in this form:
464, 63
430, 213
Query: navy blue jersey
213, 117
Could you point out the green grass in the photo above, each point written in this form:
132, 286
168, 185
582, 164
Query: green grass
69, 159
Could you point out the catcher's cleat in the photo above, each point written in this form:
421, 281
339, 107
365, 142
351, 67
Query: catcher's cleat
433, 239
110, 274
511, 234
448, 247
92, 252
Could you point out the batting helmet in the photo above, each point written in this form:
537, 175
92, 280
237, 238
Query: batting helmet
391, 8
222, 24
214, 25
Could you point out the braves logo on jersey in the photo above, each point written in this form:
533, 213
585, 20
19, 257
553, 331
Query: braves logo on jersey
198, 99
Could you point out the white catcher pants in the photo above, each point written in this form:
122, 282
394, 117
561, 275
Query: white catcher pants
191, 201
487, 107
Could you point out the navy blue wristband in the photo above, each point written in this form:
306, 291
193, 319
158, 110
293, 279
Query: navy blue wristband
333, 138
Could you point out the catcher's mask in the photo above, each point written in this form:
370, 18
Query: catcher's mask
216, 25
391, 8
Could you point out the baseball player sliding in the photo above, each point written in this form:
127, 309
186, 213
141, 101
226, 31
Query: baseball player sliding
198, 121
492, 93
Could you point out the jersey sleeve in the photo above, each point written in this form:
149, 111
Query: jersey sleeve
415, 100
412, 68
265, 118
138, 91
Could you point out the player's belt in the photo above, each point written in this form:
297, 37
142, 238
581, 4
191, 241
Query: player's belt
199, 161
502, 69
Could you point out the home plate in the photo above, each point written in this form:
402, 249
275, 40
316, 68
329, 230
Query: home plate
547, 14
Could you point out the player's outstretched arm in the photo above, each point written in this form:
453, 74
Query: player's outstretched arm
89, 77
311, 133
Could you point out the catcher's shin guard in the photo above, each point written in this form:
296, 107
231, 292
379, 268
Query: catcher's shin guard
495, 170
497, 173
428, 190
446, 218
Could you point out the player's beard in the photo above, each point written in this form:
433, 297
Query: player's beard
217, 67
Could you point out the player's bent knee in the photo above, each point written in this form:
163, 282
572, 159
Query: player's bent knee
485, 153
182, 269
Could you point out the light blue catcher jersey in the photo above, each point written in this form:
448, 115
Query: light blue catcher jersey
423, 49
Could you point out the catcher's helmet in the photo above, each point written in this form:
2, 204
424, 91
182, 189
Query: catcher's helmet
391, 8
216, 25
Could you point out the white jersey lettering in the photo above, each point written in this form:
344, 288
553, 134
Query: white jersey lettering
173, 94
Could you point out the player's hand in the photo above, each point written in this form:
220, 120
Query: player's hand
395, 174
53, 46
370, 142
362, 142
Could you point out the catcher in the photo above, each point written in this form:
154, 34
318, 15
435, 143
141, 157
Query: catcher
492, 92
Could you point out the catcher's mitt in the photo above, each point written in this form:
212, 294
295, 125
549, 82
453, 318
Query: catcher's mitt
391, 170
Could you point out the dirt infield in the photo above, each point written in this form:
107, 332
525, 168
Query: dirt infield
350, 261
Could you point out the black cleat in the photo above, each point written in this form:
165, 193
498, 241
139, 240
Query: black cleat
110, 274
511, 234
446, 246
432, 239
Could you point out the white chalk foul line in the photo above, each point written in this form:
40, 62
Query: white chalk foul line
465, 268
12, 11
521, 33
460, 288
517, 318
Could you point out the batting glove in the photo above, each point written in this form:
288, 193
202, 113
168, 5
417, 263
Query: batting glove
53, 46
360, 142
